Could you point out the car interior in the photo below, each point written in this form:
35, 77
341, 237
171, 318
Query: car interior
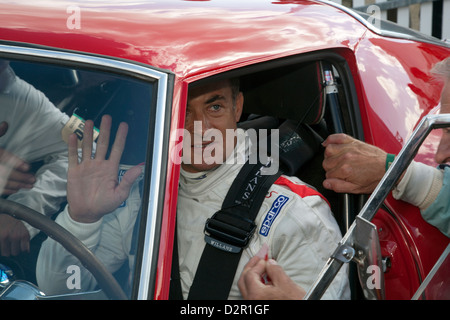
89, 94
306, 98
313, 99
306, 101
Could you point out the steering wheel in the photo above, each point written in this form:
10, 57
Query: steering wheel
104, 278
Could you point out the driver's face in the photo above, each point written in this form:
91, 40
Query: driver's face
210, 106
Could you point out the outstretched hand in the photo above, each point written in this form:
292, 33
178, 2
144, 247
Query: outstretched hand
93, 189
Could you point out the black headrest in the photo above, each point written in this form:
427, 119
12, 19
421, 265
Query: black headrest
292, 92
259, 122
298, 144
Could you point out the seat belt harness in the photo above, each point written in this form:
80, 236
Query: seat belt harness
229, 231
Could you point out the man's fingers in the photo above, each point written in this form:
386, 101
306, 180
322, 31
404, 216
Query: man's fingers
338, 170
15, 240
247, 268
119, 143
15, 247
8, 157
12, 161
13, 173
275, 271
251, 263
337, 138
103, 138
86, 145
341, 186
20, 177
18, 180
25, 245
250, 280
259, 268
5, 248
73, 150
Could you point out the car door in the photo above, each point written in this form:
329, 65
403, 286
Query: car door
46, 95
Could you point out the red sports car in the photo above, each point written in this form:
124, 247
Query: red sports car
318, 65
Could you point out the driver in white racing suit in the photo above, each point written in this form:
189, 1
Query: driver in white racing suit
33, 134
294, 221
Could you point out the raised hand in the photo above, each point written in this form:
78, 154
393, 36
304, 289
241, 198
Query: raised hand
93, 189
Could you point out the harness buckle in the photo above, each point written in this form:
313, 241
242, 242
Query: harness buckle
228, 232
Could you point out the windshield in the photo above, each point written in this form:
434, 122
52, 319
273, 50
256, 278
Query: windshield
41, 107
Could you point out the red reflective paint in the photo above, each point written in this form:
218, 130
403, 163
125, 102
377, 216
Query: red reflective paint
197, 39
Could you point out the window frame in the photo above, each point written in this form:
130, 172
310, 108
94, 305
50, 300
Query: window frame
157, 155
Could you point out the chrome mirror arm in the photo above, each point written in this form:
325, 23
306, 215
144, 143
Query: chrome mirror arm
398, 166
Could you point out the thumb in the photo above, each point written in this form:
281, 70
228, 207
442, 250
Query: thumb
128, 179
275, 272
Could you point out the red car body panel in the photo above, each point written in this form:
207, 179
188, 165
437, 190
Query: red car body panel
195, 40
417, 243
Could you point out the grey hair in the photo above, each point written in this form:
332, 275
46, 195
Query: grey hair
441, 69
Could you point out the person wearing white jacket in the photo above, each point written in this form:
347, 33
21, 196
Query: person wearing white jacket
294, 222
354, 166
33, 133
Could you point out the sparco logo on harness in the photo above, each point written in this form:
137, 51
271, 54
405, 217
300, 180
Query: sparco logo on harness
277, 205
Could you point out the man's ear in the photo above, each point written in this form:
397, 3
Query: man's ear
239, 106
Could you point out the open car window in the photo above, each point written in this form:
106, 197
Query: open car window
41, 104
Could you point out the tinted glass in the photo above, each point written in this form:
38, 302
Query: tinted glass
40, 106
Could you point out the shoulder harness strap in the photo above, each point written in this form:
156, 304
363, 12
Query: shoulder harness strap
229, 231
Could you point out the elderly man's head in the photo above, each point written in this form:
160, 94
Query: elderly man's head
442, 71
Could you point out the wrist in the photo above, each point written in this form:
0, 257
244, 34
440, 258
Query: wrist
88, 233
79, 217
